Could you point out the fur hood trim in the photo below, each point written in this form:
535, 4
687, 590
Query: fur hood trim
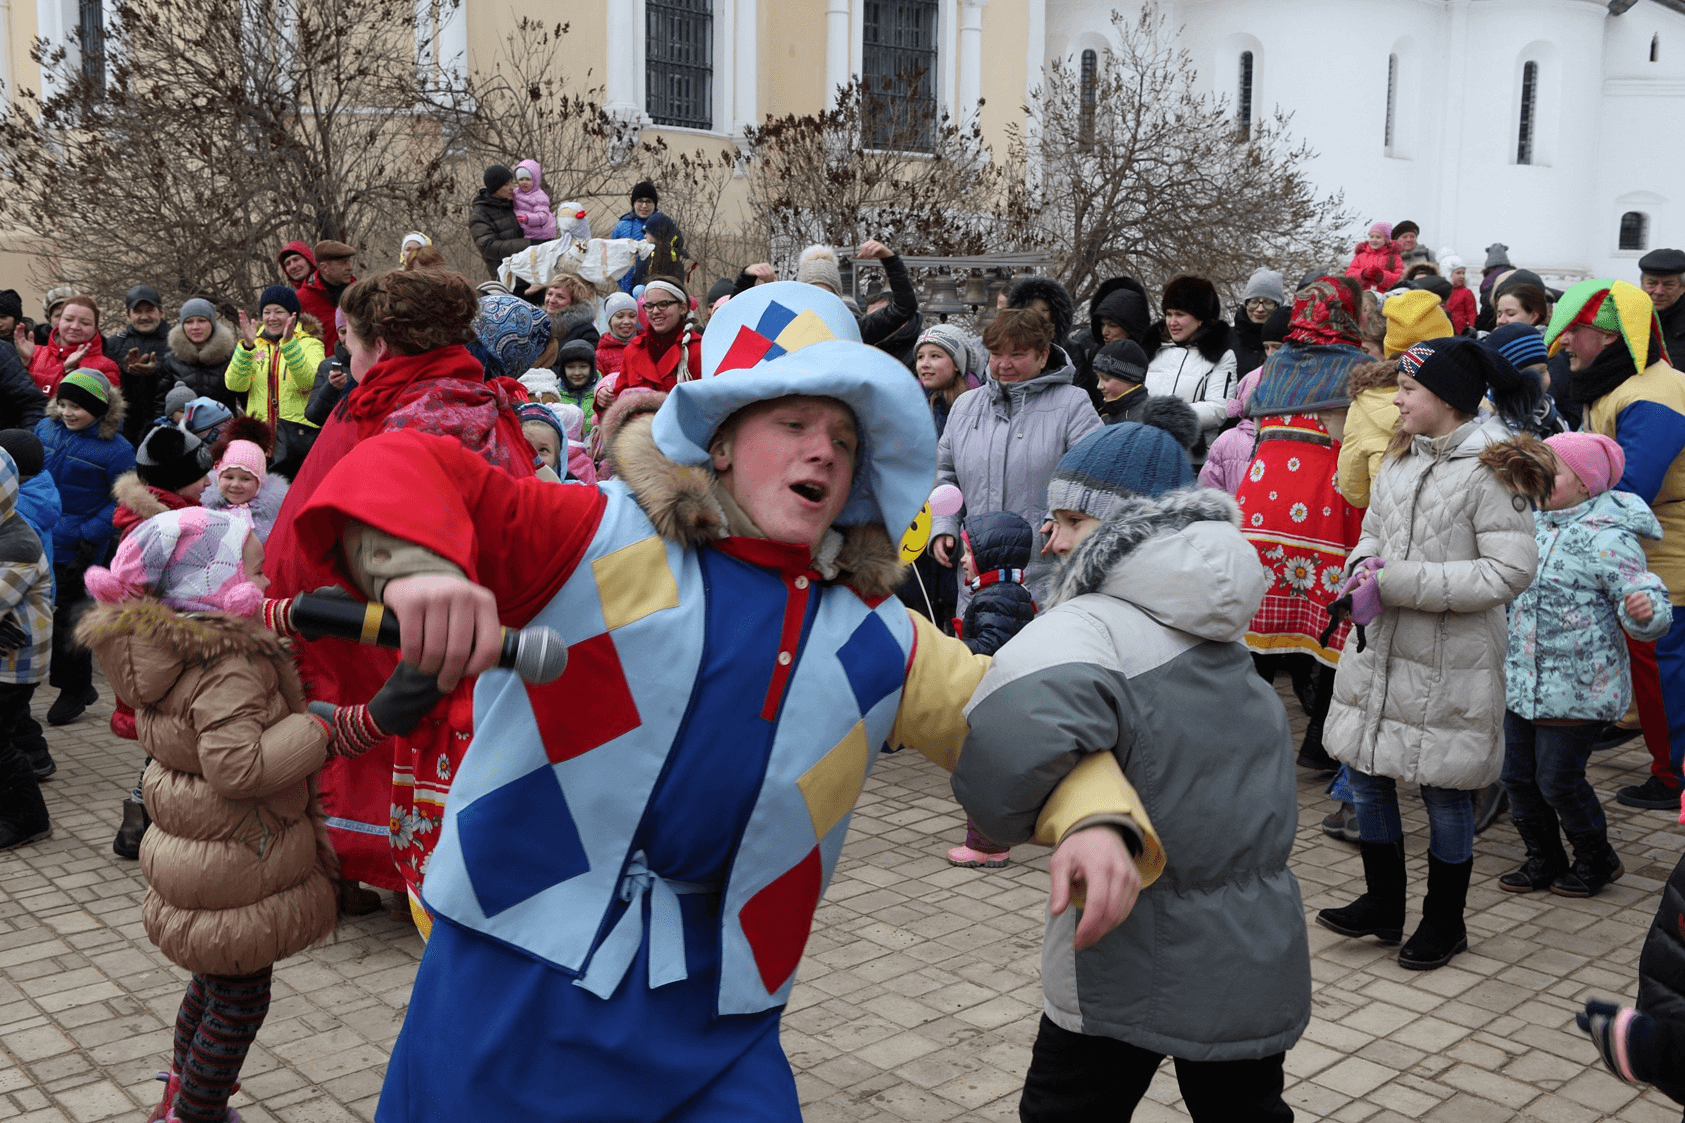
683, 503
1211, 341
109, 425
214, 352
1135, 522
197, 637
266, 504
1375, 376
1059, 303
131, 492
1525, 466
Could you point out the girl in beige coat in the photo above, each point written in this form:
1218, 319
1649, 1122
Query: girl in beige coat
239, 870
1444, 548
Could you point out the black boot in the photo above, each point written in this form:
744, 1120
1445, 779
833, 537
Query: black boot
1595, 865
1441, 934
1546, 860
1312, 755
1380, 911
23, 813
135, 822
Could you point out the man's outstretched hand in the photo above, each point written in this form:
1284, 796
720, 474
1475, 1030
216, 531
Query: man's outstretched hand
1094, 864
447, 626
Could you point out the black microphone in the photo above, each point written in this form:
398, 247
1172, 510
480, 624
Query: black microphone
538, 654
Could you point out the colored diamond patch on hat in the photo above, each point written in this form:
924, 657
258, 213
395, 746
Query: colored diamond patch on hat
777, 331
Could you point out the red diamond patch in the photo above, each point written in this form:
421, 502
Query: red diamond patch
777, 920
590, 705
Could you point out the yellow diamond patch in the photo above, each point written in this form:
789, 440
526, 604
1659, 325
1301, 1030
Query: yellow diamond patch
634, 581
832, 785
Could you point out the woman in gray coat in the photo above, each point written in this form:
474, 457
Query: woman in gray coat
1003, 439
1443, 550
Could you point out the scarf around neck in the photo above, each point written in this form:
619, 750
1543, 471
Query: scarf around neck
1612, 367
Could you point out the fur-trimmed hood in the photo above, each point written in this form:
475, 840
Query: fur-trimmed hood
1377, 375
687, 506
265, 505
132, 492
1059, 303
1180, 558
214, 352
144, 646
109, 426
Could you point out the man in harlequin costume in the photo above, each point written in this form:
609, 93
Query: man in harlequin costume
1623, 377
631, 856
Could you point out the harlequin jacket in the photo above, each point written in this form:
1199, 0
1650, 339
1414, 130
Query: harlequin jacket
631, 570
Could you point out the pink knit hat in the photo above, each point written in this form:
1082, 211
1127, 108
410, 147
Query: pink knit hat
246, 455
1597, 460
191, 559
1384, 229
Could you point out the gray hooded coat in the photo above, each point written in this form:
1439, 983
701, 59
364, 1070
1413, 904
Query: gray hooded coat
1000, 446
1424, 701
1141, 657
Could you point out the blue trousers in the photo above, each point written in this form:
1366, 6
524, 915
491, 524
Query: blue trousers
1545, 771
1450, 815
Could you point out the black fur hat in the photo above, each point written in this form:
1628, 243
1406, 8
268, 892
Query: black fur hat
1059, 303
168, 459
1194, 295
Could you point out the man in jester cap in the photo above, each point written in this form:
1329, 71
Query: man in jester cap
631, 856
1630, 392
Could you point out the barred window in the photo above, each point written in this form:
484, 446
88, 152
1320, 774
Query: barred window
1635, 230
91, 31
1529, 109
1089, 88
679, 63
1243, 99
1392, 100
899, 74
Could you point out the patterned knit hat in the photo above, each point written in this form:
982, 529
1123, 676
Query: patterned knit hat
1116, 462
959, 347
88, 389
1460, 372
1521, 344
1411, 318
540, 381
1596, 459
191, 559
509, 335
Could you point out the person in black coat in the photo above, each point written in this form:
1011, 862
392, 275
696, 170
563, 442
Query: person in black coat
1118, 310
200, 365
1646, 1045
21, 402
139, 351
997, 547
491, 219
1662, 274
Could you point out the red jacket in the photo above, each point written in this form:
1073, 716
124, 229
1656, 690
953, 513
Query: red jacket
1378, 269
1462, 308
611, 354
643, 372
314, 300
47, 367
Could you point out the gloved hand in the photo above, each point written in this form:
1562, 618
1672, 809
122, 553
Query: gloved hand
1618, 1032
1363, 588
351, 731
397, 707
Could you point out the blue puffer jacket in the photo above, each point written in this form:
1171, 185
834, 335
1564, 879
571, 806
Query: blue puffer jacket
41, 508
1000, 604
1566, 658
84, 464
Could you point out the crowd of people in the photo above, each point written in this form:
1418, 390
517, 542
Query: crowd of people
1064, 561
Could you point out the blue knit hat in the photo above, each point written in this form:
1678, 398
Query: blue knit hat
1111, 464
1522, 344
281, 295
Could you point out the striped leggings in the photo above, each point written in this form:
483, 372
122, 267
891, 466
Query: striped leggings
218, 1021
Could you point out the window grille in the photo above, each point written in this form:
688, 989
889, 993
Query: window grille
1392, 100
1089, 88
1243, 99
899, 74
679, 62
1635, 230
1529, 108
91, 24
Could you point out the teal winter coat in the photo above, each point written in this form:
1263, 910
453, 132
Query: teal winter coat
1566, 658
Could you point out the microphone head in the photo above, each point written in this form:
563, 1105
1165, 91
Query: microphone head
541, 655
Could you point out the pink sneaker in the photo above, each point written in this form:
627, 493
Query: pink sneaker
978, 859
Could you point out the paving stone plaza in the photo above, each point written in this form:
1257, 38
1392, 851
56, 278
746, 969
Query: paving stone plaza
918, 998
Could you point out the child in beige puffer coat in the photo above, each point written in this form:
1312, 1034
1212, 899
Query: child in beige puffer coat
239, 869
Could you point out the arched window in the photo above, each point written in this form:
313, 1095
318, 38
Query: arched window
1243, 99
1656, 47
679, 62
1529, 111
1089, 88
1635, 231
1392, 100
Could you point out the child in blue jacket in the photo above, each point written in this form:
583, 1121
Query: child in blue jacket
85, 454
1566, 668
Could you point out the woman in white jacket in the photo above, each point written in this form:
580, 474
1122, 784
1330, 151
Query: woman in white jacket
1196, 359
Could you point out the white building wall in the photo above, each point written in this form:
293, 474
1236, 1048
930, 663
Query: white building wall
1604, 122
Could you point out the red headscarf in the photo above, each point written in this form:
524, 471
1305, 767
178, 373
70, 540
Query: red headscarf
1326, 311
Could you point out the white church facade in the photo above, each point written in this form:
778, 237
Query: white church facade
1553, 126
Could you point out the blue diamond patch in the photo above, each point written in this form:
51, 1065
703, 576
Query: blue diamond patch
873, 662
519, 840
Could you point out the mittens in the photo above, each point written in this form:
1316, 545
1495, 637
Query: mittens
1621, 1035
351, 730
1364, 589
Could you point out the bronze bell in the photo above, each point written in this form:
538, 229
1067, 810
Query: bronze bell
976, 293
943, 295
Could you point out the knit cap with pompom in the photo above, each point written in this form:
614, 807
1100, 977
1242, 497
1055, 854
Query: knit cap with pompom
818, 266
